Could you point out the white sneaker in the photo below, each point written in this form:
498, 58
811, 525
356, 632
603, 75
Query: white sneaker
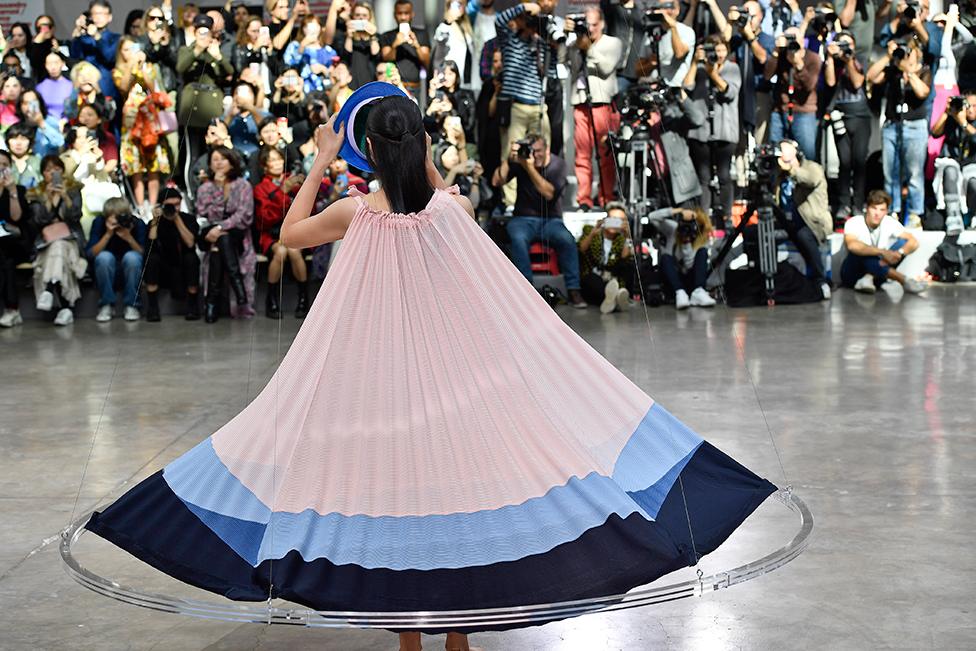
105, 313
623, 300
914, 221
953, 225
681, 301
131, 313
64, 317
10, 318
609, 303
45, 301
914, 286
865, 284
701, 298
825, 290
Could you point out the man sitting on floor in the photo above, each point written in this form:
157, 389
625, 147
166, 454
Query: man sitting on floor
876, 244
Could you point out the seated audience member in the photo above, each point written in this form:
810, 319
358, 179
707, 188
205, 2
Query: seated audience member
172, 260
15, 240
117, 244
272, 196
457, 169
86, 79
48, 138
10, 91
94, 42
311, 56
288, 98
684, 255
270, 135
26, 168
538, 214
89, 116
244, 117
59, 263
876, 244
56, 88
955, 169
607, 260
215, 136
226, 202
801, 195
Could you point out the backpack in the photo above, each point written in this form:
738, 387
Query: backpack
953, 262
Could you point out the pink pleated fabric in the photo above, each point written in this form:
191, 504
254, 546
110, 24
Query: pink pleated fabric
428, 378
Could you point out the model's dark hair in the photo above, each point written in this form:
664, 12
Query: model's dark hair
397, 150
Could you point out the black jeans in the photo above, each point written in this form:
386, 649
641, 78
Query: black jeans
807, 244
703, 154
593, 287
12, 253
177, 271
852, 156
689, 280
556, 111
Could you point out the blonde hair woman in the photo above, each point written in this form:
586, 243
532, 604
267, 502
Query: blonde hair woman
684, 256
454, 41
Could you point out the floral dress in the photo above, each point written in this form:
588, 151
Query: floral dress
236, 211
134, 158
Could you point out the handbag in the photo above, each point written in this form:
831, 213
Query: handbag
200, 103
55, 231
167, 122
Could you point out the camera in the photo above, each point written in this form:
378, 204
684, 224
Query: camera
647, 97
440, 95
823, 20
524, 148
710, 55
957, 103
741, 20
792, 45
846, 51
911, 11
580, 27
652, 16
837, 122
169, 211
765, 163
687, 229
899, 53
125, 221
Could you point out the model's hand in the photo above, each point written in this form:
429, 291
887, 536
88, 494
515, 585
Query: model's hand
327, 140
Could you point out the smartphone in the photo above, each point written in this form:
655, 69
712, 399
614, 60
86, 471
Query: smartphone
33, 107
56, 179
456, 6
404, 28
357, 25
452, 121
613, 222
255, 68
265, 31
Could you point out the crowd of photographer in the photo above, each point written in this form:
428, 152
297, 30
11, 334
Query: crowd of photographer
165, 156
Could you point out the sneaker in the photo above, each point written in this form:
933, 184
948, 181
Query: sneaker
953, 225
576, 299
825, 290
64, 317
914, 221
609, 303
865, 284
45, 302
623, 299
681, 301
105, 313
131, 313
701, 298
10, 318
914, 286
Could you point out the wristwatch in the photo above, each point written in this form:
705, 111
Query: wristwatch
901, 252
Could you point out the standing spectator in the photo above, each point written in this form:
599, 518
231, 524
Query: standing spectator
160, 47
447, 99
593, 77
360, 47
226, 202
406, 46
16, 245
481, 13
93, 42
684, 254
794, 72
185, 32
43, 43
26, 165
901, 78
251, 51
311, 55
20, 44
606, 260
283, 20
851, 121
59, 262
116, 244
134, 26
487, 122
56, 88
144, 151
86, 80
780, 15
172, 260
911, 23
32, 111
540, 179
288, 98
625, 21
272, 196
243, 119
673, 51
454, 41
857, 17
713, 84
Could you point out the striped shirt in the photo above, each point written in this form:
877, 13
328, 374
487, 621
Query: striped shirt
522, 61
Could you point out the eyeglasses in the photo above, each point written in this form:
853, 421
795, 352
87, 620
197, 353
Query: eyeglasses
154, 19
40, 25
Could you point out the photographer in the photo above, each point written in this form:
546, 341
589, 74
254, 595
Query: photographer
606, 260
955, 169
538, 216
876, 244
172, 260
804, 210
851, 120
712, 84
794, 72
116, 243
360, 45
780, 15
667, 55
407, 46
910, 23
92, 41
904, 82
857, 17
288, 98
593, 59
684, 254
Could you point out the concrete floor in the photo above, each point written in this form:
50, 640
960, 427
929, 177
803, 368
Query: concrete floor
869, 400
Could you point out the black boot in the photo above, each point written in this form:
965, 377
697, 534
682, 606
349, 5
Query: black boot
302, 308
271, 307
152, 306
228, 254
211, 306
193, 306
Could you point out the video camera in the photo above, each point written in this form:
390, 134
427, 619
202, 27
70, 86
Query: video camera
646, 97
765, 164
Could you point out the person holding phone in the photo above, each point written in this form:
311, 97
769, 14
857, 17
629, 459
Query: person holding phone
43, 43
160, 47
251, 49
606, 260
449, 100
15, 244
32, 110
311, 55
406, 46
94, 42
360, 48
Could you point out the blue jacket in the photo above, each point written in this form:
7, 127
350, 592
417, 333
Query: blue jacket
101, 54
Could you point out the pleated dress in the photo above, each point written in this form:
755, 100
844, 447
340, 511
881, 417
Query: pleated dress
436, 438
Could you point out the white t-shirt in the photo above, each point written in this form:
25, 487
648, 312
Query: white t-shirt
882, 237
